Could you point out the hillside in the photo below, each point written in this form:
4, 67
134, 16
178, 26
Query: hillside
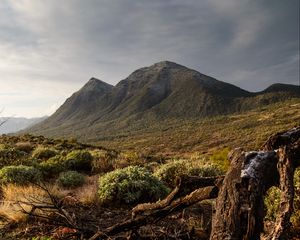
161, 92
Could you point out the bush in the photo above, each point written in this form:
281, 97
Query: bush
169, 171
43, 153
128, 158
272, 202
295, 219
79, 160
52, 166
70, 179
11, 156
24, 146
103, 161
130, 185
220, 158
19, 174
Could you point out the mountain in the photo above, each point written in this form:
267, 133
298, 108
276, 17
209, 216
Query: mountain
165, 90
13, 124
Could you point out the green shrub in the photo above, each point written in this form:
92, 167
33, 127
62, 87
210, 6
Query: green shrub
12, 156
169, 171
52, 166
19, 174
220, 158
79, 160
272, 202
130, 185
70, 179
43, 153
295, 219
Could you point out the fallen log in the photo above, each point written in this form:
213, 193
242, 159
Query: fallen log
177, 205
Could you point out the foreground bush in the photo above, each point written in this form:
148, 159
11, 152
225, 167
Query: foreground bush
79, 160
52, 167
11, 156
130, 185
43, 153
70, 179
19, 174
169, 171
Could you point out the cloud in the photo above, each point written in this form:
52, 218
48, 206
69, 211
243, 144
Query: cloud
54, 47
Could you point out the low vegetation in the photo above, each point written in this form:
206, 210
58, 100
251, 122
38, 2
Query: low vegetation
70, 179
130, 185
144, 168
20, 175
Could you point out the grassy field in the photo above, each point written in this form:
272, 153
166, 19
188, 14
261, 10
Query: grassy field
197, 136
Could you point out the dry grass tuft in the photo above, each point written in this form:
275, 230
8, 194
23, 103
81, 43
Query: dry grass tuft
87, 194
16, 199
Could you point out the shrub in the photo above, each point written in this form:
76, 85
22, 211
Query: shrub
43, 153
70, 179
79, 160
103, 161
128, 158
19, 174
11, 156
169, 171
295, 219
24, 146
272, 202
130, 185
220, 158
52, 166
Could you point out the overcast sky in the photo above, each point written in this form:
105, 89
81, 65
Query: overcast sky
49, 49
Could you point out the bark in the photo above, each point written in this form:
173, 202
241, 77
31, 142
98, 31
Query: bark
239, 206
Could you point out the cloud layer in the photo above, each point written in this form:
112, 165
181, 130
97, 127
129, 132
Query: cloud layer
49, 49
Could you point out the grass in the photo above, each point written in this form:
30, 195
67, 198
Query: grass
183, 138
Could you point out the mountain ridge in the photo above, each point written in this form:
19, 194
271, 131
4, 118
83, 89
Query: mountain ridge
161, 91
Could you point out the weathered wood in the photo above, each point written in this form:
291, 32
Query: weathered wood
239, 206
184, 184
286, 172
177, 205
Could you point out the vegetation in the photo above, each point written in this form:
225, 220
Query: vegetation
43, 153
79, 160
130, 185
70, 179
179, 138
143, 169
19, 174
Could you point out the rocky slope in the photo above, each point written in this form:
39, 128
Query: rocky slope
165, 90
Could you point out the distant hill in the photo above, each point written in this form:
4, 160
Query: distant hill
15, 124
165, 90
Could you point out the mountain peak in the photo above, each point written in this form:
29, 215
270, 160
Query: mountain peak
167, 64
94, 84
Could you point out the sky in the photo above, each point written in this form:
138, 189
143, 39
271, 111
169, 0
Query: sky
50, 49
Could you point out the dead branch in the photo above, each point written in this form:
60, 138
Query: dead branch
181, 203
